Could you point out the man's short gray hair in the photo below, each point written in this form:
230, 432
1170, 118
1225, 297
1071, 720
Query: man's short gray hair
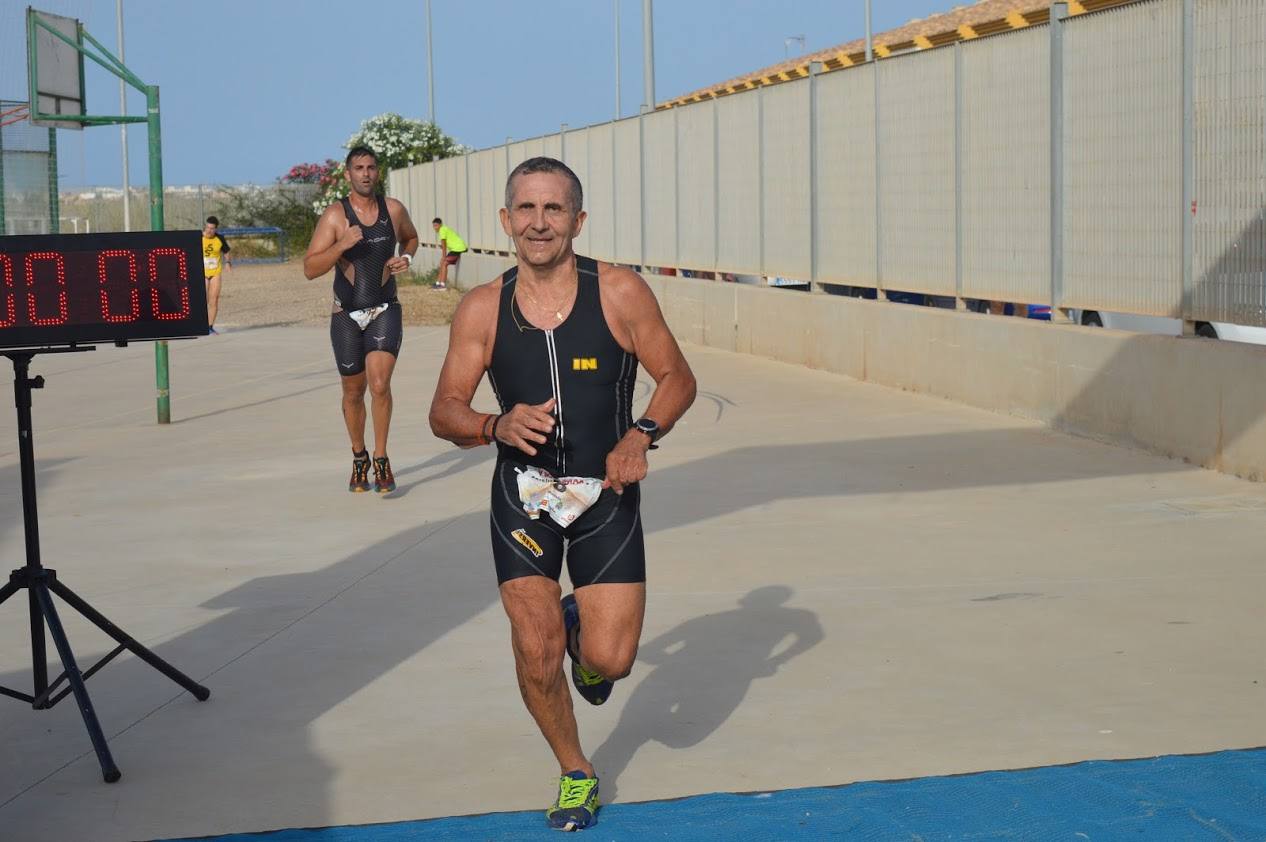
543, 164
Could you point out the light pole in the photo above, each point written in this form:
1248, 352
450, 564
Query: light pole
870, 53
616, 4
648, 56
127, 190
788, 41
430, 65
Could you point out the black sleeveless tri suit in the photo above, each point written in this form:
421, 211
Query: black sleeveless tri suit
591, 378
368, 258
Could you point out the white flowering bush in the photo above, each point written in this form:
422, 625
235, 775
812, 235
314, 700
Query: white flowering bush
398, 141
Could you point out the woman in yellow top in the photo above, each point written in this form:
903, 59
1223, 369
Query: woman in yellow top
215, 259
452, 247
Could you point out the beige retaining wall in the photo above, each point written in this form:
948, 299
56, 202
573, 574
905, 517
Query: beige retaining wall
1199, 400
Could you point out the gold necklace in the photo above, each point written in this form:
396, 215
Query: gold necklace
557, 308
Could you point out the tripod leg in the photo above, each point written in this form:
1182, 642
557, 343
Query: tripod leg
108, 769
9, 590
199, 692
39, 658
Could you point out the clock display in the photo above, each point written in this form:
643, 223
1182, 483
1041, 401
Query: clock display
76, 289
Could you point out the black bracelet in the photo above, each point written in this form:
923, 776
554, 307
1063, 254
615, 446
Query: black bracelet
494, 427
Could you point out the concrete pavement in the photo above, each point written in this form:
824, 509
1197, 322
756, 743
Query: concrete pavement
847, 583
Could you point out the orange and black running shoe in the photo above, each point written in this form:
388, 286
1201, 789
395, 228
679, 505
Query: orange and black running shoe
360, 472
384, 479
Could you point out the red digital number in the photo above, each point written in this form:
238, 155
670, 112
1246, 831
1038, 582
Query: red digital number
184, 285
60, 265
10, 306
134, 295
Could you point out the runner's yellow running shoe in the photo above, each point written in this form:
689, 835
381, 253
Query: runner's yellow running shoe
577, 804
593, 688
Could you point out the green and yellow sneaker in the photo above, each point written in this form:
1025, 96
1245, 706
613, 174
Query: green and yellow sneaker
577, 804
593, 688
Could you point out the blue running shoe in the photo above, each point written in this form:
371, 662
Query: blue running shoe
577, 804
593, 688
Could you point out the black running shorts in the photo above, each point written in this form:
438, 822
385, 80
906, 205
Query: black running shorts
352, 345
603, 545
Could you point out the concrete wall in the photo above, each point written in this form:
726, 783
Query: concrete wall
1199, 400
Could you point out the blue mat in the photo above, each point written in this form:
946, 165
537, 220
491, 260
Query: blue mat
1218, 796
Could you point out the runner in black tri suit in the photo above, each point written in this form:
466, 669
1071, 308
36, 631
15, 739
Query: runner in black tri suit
561, 338
358, 238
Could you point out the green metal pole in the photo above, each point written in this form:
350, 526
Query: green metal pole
54, 201
156, 224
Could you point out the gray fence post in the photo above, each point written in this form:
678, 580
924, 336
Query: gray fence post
676, 191
880, 292
815, 69
1188, 209
959, 302
716, 191
509, 240
468, 233
641, 173
760, 175
1059, 11
615, 197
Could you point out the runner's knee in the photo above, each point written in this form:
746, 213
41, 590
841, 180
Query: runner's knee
611, 661
353, 389
380, 386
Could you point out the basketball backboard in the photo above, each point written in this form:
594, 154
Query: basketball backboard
55, 68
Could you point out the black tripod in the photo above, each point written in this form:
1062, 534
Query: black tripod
41, 583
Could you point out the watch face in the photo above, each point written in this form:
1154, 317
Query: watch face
647, 426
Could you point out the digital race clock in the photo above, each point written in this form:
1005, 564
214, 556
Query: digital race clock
78, 289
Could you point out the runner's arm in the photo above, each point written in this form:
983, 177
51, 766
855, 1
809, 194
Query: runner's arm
451, 416
406, 235
641, 322
328, 244
658, 352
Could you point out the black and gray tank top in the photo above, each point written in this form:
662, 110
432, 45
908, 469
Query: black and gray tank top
579, 364
368, 257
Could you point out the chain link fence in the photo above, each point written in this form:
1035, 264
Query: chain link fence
28, 174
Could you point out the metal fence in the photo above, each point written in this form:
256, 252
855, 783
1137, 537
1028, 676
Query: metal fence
28, 180
1114, 160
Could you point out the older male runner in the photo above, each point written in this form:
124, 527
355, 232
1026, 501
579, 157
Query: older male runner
357, 237
561, 337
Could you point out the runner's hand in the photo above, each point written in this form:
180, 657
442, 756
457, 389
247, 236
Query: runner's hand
626, 463
526, 425
350, 237
396, 265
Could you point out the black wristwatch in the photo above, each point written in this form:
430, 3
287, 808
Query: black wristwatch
646, 425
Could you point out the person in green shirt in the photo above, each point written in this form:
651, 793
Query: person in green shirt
452, 247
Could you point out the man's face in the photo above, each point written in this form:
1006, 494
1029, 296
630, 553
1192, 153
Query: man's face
208, 230
540, 218
436, 226
362, 175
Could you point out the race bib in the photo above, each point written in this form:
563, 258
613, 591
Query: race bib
210, 263
562, 498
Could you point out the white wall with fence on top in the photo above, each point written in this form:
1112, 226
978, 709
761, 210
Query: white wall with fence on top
1114, 160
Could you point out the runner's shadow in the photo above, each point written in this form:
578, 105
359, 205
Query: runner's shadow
703, 669
457, 461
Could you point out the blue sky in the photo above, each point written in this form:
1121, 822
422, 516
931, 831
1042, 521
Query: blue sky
251, 87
